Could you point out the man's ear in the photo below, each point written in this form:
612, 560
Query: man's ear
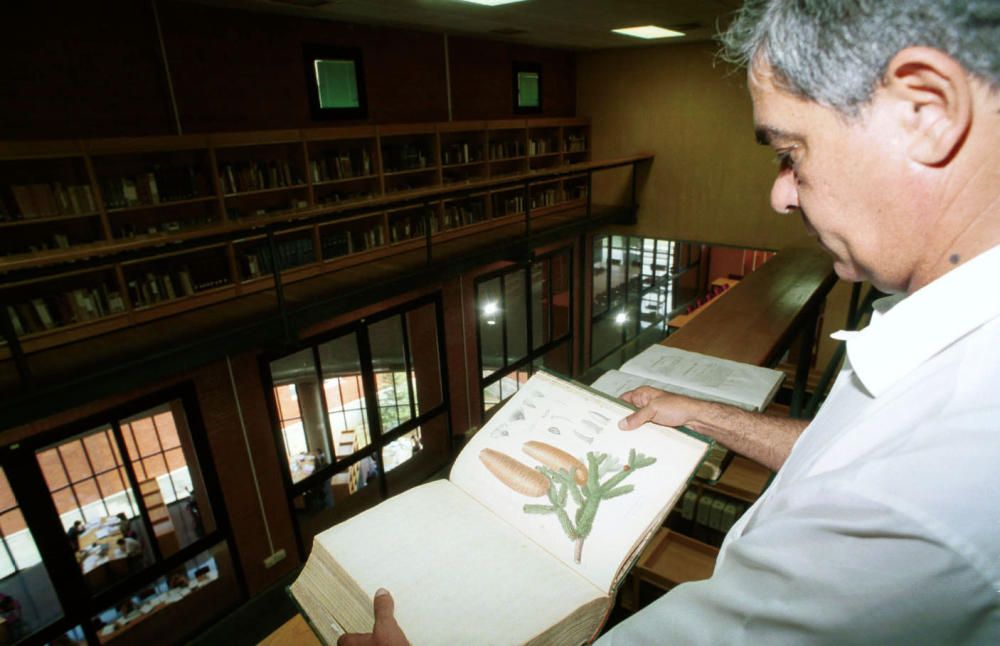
934, 95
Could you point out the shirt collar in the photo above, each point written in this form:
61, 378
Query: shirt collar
906, 330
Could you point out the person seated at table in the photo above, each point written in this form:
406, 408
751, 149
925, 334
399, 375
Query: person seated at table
73, 534
123, 523
129, 546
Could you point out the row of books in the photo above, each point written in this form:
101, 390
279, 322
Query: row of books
164, 285
463, 214
542, 146
340, 243
575, 191
241, 177
26, 201
546, 197
402, 157
461, 153
341, 165
710, 510
58, 310
289, 253
508, 204
505, 149
162, 184
575, 144
411, 226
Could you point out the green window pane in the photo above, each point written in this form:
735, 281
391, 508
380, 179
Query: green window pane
527, 89
337, 84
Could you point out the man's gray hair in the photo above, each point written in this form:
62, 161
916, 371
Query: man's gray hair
836, 52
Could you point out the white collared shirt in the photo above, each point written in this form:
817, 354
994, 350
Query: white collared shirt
883, 526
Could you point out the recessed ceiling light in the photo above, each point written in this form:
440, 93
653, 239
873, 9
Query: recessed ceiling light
648, 31
492, 3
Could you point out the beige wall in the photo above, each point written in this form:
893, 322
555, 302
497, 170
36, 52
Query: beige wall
710, 181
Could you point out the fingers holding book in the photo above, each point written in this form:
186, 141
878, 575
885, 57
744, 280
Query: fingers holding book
386, 631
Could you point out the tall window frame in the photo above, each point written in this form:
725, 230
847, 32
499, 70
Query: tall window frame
510, 374
378, 438
80, 603
633, 287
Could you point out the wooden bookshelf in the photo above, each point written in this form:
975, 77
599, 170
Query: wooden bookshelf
69, 200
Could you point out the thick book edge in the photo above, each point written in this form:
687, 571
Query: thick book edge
305, 615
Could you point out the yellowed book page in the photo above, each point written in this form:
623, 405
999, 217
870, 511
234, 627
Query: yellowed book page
517, 465
458, 574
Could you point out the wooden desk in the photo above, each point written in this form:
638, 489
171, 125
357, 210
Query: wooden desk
100, 558
294, 631
759, 318
681, 320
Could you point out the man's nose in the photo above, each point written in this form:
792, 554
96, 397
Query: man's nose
785, 192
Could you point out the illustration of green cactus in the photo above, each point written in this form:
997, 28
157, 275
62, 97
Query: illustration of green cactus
587, 497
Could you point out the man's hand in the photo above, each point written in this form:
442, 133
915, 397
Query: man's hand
656, 406
763, 438
386, 631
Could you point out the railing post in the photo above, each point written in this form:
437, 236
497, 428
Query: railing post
427, 231
527, 208
805, 358
279, 288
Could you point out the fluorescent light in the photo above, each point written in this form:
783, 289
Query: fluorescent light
491, 308
648, 31
492, 3
621, 318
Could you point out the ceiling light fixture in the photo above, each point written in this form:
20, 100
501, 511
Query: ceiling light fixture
648, 32
492, 3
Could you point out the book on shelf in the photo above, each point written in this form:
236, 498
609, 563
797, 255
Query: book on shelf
57, 310
695, 375
544, 512
47, 200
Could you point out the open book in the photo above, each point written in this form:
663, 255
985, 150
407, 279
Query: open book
544, 512
695, 375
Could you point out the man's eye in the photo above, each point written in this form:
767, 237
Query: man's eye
784, 160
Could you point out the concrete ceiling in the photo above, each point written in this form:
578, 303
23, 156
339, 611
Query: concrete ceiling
562, 24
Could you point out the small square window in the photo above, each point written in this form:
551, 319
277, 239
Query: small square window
527, 87
335, 81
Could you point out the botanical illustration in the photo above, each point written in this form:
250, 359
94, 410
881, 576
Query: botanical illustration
574, 490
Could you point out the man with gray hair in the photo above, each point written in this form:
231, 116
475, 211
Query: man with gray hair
883, 523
